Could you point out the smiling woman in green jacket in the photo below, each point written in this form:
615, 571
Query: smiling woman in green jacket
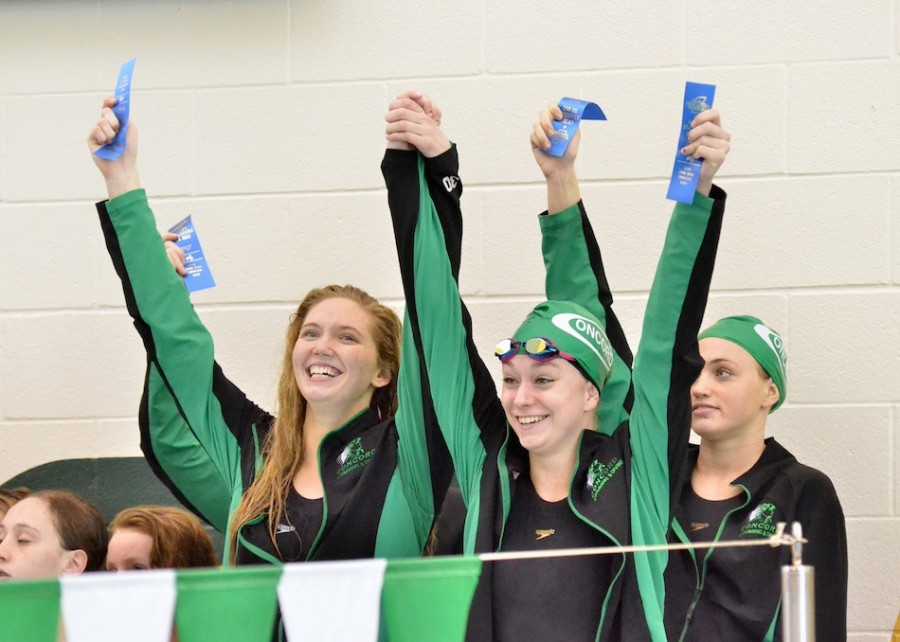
352, 467
536, 470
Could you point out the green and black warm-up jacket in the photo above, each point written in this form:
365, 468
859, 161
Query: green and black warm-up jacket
622, 485
206, 441
735, 593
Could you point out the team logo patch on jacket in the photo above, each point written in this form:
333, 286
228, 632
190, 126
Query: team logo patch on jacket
599, 474
761, 522
450, 182
353, 457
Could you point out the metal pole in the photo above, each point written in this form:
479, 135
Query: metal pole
798, 591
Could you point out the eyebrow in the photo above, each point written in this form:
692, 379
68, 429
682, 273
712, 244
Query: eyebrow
718, 362
340, 328
549, 363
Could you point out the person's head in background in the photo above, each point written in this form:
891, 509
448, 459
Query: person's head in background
8, 497
145, 537
50, 533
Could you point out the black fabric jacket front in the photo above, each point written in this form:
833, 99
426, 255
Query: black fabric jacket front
735, 593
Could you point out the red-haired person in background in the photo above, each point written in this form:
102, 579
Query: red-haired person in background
145, 537
11, 496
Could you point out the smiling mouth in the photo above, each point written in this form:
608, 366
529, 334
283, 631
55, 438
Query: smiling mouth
530, 420
319, 371
4, 575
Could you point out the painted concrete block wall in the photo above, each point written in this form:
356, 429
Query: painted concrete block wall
263, 119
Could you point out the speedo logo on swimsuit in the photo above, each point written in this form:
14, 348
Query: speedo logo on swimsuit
284, 528
353, 457
599, 474
761, 522
774, 341
588, 333
542, 533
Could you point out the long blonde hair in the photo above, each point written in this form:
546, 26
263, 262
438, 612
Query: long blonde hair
283, 446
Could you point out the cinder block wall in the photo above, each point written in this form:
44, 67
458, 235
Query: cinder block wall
263, 119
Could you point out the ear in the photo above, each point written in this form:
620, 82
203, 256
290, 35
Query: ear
771, 396
76, 561
592, 397
382, 378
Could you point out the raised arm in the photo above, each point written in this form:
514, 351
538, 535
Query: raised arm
427, 465
667, 363
574, 265
423, 193
198, 431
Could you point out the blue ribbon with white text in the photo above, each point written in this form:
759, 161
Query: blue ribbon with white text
686, 172
574, 111
198, 276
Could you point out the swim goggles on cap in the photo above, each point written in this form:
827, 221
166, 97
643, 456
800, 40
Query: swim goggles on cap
537, 348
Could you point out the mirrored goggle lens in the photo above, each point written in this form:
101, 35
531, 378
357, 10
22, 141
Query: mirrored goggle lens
506, 349
541, 348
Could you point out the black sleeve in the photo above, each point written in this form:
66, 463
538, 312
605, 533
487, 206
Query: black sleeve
822, 518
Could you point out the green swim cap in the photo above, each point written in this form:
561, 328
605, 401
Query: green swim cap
573, 330
762, 342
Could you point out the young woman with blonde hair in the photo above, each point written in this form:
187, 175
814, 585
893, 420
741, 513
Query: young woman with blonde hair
352, 467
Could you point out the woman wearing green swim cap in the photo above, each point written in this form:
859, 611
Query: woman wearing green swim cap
736, 484
534, 471
740, 485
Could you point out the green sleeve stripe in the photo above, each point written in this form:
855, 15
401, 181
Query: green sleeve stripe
412, 447
444, 346
649, 429
654, 360
178, 341
182, 458
570, 276
400, 533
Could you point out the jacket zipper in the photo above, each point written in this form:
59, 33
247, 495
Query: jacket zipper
597, 527
701, 574
315, 544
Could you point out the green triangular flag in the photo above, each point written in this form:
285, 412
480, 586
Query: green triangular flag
29, 610
429, 599
227, 604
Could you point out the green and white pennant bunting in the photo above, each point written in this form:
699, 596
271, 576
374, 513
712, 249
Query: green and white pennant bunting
406, 600
108, 607
331, 601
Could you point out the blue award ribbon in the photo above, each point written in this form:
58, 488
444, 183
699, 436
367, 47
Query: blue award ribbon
114, 149
574, 111
198, 276
697, 97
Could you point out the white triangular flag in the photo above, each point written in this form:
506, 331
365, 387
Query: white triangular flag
332, 601
138, 606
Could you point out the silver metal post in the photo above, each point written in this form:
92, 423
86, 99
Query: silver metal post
798, 591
